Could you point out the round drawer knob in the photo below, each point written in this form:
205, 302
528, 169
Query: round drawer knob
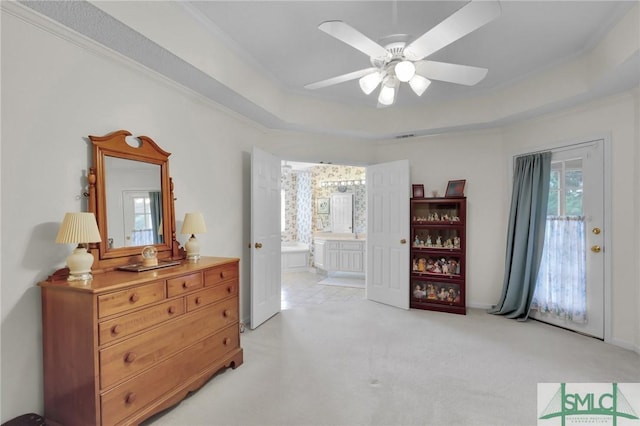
172, 310
198, 300
130, 357
226, 313
222, 274
134, 298
130, 398
227, 341
229, 289
185, 285
116, 329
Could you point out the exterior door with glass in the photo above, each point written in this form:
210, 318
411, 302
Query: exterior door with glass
570, 286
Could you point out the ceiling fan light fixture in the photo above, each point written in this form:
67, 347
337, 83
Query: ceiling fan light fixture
369, 82
419, 84
387, 95
405, 70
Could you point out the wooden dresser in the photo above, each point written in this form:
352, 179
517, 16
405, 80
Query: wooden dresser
130, 344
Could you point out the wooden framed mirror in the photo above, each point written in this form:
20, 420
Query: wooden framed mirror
131, 194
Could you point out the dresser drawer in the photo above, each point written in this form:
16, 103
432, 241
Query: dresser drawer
211, 295
219, 274
133, 355
125, 325
130, 397
136, 297
183, 284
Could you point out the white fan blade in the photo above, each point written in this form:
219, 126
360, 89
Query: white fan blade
451, 73
354, 38
340, 79
467, 19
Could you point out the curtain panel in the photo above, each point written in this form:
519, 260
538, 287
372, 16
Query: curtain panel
561, 286
525, 234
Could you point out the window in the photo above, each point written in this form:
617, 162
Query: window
565, 189
142, 233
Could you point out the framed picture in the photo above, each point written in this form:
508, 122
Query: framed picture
455, 188
418, 191
322, 206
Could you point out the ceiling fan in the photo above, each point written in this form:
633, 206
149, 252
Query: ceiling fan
401, 62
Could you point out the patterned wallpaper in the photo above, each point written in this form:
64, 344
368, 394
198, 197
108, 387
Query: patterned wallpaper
303, 189
304, 215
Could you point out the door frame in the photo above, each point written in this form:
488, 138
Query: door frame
565, 143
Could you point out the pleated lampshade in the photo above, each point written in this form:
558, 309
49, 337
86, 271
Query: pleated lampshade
78, 227
193, 224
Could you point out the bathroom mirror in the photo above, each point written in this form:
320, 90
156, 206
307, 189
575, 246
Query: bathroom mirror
131, 194
342, 212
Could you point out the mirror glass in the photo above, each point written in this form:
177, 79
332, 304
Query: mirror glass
133, 191
131, 194
342, 212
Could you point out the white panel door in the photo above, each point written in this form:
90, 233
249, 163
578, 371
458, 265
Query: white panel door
387, 278
265, 237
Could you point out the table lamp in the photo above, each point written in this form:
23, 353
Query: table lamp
193, 224
79, 228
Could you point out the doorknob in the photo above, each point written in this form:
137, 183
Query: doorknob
596, 249
258, 245
403, 241
596, 231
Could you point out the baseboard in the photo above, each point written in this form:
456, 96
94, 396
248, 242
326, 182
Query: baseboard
479, 306
624, 345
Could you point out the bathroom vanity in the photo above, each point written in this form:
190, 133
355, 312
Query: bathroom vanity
335, 252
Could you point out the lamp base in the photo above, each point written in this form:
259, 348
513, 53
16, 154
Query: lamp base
193, 249
87, 276
79, 264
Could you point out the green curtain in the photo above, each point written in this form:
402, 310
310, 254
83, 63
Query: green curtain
525, 238
156, 216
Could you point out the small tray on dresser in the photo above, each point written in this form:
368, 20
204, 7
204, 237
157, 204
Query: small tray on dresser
139, 267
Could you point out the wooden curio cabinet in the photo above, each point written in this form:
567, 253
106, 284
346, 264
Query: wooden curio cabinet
438, 246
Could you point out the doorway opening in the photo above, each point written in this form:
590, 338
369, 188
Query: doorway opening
323, 224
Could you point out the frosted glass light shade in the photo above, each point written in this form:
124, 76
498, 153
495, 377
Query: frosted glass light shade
387, 95
419, 84
193, 224
79, 228
405, 70
369, 82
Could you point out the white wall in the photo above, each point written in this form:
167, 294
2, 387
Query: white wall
472, 156
484, 158
616, 118
56, 92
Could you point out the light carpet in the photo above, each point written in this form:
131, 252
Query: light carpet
365, 363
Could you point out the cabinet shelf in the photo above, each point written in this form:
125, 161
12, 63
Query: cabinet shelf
438, 251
